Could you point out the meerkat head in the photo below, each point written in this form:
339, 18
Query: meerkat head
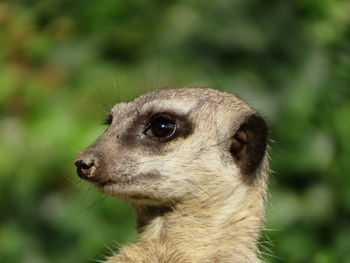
167, 144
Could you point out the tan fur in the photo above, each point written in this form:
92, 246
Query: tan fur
193, 202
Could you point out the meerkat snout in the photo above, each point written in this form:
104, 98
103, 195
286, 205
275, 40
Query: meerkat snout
86, 166
189, 160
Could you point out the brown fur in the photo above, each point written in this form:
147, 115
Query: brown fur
200, 196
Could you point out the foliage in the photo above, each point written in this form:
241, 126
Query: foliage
65, 62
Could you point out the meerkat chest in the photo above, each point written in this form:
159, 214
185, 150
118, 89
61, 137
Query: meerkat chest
152, 252
168, 252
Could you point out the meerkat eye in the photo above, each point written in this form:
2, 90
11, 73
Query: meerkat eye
161, 126
108, 120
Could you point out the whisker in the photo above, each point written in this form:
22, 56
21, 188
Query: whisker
116, 87
98, 201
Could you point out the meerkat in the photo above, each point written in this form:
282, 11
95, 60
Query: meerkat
193, 162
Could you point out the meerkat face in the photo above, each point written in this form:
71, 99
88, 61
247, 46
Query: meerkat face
164, 145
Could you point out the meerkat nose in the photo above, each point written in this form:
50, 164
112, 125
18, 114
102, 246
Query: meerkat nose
85, 167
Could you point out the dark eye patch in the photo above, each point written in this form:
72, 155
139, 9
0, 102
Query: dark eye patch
140, 133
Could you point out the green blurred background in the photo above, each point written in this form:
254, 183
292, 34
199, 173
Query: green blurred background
63, 64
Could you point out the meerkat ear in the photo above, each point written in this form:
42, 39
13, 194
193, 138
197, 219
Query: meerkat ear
249, 143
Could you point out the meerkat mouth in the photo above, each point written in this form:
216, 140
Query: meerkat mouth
102, 183
127, 188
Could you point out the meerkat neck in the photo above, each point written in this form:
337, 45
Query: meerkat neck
215, 225
146, 214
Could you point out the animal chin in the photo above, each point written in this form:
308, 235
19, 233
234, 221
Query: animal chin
139, 197
105, 183
131, 192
